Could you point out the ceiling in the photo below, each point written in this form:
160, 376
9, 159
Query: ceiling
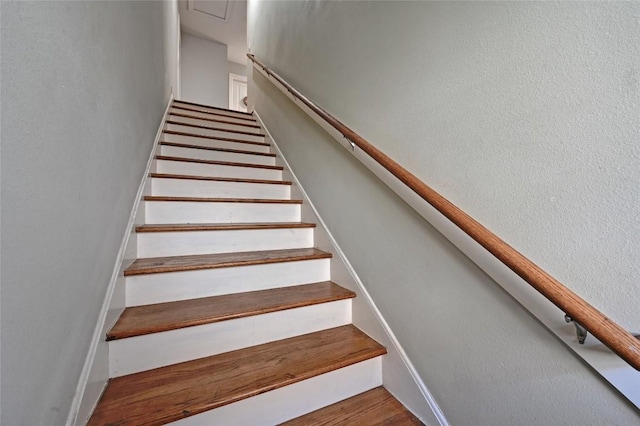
224, 21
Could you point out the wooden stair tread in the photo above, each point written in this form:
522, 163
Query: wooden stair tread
221, 200
212, 107
209, 148
140, 320
219, 163
221, 226
178, 114
156, 265
376, 407
216, 113
171, 393
219, 179
218, 138
202, 126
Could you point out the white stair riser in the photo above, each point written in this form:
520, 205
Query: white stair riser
167, 287
248, 120
159, 244
140, 353
214, 143
289, 402
212, 170
204, 154
217, 124
218, 189
215, 111
211, 132
219, 212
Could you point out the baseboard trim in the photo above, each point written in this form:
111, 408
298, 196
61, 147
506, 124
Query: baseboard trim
82, 405
436, 413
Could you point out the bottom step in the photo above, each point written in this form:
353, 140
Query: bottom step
179, 391
375, 407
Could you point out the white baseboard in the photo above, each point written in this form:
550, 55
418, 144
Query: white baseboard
95, 371
399, 375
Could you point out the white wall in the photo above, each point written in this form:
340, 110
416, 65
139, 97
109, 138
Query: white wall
172, 45
84, 86
204, 71
236, 68
527, 116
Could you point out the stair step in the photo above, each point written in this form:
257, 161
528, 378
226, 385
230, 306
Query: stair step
204, 167
219, 179
220, 163
206, 335
218, 116
181, 185
212, 113
178, 391
221, 260
194, 141
376, 407
160, 209
212, 127
213, 108
208, 148
204, 153
221, 200
220, 226
208, 136
180, 116
140, 320
149, 288
209, 239
212, 133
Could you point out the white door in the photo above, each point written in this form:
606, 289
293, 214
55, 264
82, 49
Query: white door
237, 92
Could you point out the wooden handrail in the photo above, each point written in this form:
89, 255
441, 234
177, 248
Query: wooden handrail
619, 340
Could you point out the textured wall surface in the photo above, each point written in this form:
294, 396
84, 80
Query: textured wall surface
84, 86
526, 115
204, 71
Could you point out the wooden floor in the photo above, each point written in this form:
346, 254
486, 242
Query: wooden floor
170, 393
375, 407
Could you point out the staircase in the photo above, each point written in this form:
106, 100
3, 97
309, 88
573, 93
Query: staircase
231, 316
